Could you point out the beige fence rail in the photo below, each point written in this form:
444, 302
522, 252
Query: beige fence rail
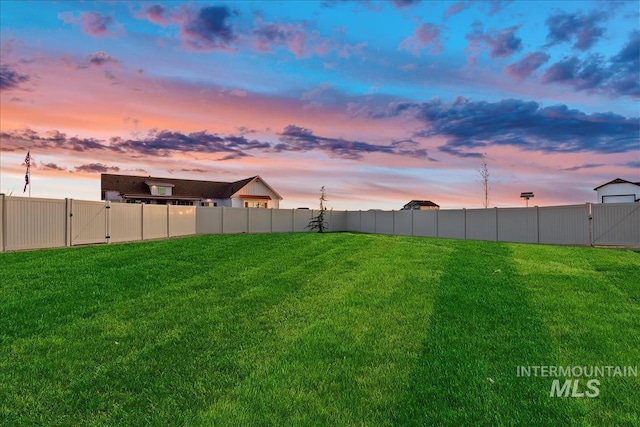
32, 223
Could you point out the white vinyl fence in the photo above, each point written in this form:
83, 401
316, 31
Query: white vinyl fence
33, 223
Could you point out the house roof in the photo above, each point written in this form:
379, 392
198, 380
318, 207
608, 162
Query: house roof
129, 184
421, 203
617, 181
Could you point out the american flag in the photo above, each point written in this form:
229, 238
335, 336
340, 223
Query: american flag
27, 161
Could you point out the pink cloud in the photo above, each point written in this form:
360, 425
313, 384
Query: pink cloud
456, 8
94, 23
425, 37
523, 68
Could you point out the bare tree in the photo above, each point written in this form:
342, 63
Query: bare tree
318, 222
484, 173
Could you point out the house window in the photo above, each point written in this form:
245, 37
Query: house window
162, 191
256, 205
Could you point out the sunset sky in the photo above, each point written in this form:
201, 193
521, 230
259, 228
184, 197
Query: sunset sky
381, 102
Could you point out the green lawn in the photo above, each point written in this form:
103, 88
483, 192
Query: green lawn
315, 329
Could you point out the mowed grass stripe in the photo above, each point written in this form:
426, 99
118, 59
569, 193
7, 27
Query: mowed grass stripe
590, 300
345, 341
484, 325
146, 340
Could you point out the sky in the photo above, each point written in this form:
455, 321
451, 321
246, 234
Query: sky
380, 102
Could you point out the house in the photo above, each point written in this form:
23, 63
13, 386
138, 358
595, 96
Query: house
618, 191
422, 205
252, 192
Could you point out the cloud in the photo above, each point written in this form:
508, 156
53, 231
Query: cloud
496, 6
456, 8
207, 28
155, 144
634, 164
469, 127
299, 139
51, 166
425, 36
616, 77
403, 4
585, 166
501, 43
158, 14
163, 143
96, 168
523, 68
101, 58
93, 23
197, 170
584, 29
272, 35
11, 79
587, 74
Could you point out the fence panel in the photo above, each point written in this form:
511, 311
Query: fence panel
259, 220
182, 221
403, 223
208, 220
518, 225
616, 224
353, 221
564, 225
234, 220
301, 218
125, 222
3, 223
283, 220
451, 224
88, 222
337, 221
155, 222
34, 223
425, 223
481, 224
384, 222
368, 222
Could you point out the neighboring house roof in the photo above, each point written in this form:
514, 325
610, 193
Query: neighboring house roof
186, 188
617, 181
422, 203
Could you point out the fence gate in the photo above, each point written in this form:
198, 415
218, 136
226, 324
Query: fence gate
88, 222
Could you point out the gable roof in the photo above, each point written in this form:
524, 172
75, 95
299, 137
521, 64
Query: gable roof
130, 184
421, 203
617, 181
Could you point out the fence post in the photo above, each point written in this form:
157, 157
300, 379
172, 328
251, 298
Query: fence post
271, 228
497, 224
360, 222
142, 221
107, 221
222, 218
590, 222
437, 223
464, 220
412, 232
3, 225
67, 222
537, 224
168, 221
393, 222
